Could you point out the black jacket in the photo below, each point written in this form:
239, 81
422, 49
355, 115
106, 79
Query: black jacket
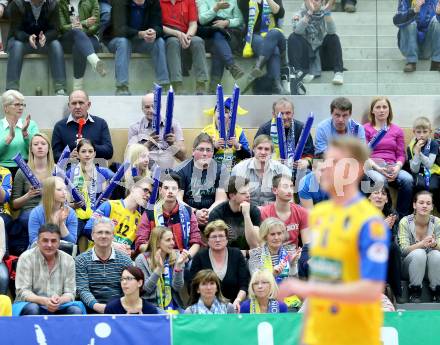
121, 10
23, 23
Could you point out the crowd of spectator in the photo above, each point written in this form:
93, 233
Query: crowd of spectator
210, 228
177, 34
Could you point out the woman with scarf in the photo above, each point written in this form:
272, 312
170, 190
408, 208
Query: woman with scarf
235, 150
228, 263
90, 180
262, 295
265, 40
206, 296
163, 267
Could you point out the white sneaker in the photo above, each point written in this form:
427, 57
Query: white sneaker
338, 79
308, 78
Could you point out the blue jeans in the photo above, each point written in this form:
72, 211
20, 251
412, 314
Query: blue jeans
18, 49
81, 46
413, 50
4, 279
105, 10
221, 55
404, 182
36, 309
270, 47
122, 48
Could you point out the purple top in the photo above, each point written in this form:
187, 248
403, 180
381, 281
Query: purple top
392, 146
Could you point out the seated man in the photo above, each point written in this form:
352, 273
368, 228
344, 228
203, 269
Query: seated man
179, 19
202, 179
418, 23
34, 29
124, 214
340, 123
137, 27
292, 128
169, 212
45, 279
98, 271
95, 129
314, 45
260, 171
310, 191
163, 151
242, 217
293, 216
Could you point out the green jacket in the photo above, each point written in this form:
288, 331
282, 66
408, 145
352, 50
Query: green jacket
87, 9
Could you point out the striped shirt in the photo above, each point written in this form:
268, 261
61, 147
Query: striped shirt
33, 276
98, 281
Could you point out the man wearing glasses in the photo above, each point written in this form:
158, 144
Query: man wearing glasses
163, 151
98, 271
203, 180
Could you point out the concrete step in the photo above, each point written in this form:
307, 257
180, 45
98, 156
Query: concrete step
381, 77
362, 6
358, 52
367, 29
382, 64
349, 40
374, 89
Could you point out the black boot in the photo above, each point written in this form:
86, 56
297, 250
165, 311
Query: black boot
415, 294
436, 294
255, 73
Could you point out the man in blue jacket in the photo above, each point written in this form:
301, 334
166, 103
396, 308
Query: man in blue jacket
419, 32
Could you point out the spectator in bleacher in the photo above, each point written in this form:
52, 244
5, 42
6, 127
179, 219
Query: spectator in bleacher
181, 37
90, 181
242, 218
262, 295
45, 280
314, 45
310, 191
79, 24
98, 271
381, 198
388, 157
292, 129
260, 170
418, 23
105, 10
4, 272
202, 179
227, 263
3, 5
66, 131
222, 23
340, 123
422, 153
163, 267
273, 254
53, 209
284, 208
124, 214
164, 150
132, 282
136, 27
265, 40
25, 197
34, 28
237, 146
16, 132
206, 295
419, 236
169, 211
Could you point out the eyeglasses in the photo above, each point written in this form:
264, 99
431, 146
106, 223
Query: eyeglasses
203, 149
217, 237
17, 105
263, 283
127, 279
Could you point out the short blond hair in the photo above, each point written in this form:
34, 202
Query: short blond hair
268, 224
263, 274
422, 122
216, 225
263, 138
8, 97
353, 146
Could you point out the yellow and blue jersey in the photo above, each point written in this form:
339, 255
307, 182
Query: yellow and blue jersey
125, 221
6, 185
349, 243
